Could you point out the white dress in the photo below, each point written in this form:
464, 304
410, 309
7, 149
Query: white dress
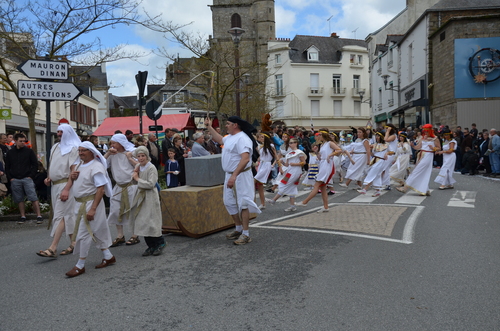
265, 167
421, 174
121, 169
399, 169
59, 170
290, 180
85, 186
283, 153
356, 171
377, 166
392, 147
445, 176
326, 164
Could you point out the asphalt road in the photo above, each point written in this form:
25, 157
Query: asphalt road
435, 267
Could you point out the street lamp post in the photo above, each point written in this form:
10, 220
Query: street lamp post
236, 35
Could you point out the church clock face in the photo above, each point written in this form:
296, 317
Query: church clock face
5, 113
484, 65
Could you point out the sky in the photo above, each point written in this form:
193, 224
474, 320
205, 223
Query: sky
347, 18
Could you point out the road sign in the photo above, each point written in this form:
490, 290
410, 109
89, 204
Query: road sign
32, 89
155, 128
44, 69
5, 114
151, 107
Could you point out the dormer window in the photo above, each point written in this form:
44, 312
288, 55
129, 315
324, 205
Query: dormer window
312, 54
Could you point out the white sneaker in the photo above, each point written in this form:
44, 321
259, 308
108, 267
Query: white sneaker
376, 194
343, 185
291, 208
262, 207
358, 188
362, 191
323, 210
301, 204
271, 201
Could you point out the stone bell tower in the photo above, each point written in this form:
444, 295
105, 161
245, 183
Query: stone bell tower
256, 18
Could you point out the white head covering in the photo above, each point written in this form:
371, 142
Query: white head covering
122, 140
108, 189
142, 150
69, 138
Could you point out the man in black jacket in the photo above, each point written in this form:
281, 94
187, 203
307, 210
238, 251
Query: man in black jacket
21, 167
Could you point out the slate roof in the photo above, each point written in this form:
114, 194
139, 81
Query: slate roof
128, 102
330, 48
95, 73
464, 4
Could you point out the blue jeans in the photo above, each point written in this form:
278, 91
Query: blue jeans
495, 163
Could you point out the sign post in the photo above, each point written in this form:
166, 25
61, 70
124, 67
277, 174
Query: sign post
141, 78
46, 89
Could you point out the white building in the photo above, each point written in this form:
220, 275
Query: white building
318, 80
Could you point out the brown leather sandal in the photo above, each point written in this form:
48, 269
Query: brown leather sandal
133, 241
68, 250
44, 253
118, 241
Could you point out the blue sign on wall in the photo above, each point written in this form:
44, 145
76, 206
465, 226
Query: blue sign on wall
477, 68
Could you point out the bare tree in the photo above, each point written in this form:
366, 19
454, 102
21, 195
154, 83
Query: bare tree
219, 58
54, 30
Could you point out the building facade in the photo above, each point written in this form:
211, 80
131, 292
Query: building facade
319, 81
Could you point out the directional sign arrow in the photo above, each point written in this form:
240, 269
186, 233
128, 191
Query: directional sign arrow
39, 90
44, 69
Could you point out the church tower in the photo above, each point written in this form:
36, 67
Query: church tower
256, 18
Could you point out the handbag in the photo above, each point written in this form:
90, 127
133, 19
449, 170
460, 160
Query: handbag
3, 190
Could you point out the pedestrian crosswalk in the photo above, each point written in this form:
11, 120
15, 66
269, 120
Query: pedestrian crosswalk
459, 198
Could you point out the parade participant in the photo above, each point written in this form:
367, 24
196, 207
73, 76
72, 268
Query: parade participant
21, 167
172, 170
284, 149
147, 212
359, 150
267, 158
399, 170
120, 160
293, 161
309, 179
445, 176
326, 169
421, 174
90, 183
239, 188
391, 138
374, 176
62, 157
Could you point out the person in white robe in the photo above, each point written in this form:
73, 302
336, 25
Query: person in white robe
122, 165
147, 212
62, 157
267, 159
399, 170
445, 176
90, 183
239, 188
360, 153
293, 161
419, 178
374, 176
326, 169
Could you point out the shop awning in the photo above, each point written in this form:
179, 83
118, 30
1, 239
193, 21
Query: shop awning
111, 124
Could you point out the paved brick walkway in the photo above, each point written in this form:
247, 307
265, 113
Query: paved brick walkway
376, 220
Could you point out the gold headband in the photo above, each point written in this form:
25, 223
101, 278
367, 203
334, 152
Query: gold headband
324, 132
335, 134
266, 135
380, 133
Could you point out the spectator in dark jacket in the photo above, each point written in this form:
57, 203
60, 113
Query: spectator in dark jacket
21, 167
470, 161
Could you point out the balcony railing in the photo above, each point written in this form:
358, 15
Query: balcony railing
390, 102
355, 91
379, 71
390, 64
338, 92
379, 106
278, 93
315, 91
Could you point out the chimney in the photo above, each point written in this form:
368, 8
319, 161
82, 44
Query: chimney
334, 35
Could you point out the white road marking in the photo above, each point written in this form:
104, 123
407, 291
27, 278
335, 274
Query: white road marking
367, 198
465, 199
411, 198
408, 232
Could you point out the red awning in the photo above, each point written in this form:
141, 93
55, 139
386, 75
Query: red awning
111, 124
